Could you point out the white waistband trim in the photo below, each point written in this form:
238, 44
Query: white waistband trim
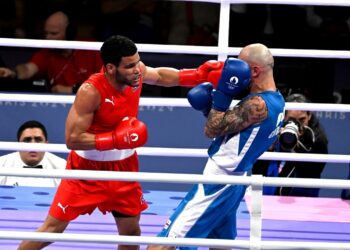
108, 155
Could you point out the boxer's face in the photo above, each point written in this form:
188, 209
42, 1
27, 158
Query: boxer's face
303, 117
32, 135
129, 71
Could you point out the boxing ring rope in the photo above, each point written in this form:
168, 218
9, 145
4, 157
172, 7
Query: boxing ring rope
172, 49
131, 240
168, 102
286, 2
181, 152
176, 178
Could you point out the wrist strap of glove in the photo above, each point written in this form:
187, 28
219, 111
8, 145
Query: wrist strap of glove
221, 102
104, 141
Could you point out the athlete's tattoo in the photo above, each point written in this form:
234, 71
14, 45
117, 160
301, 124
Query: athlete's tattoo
252, 110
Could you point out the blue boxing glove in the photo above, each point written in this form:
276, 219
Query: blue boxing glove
235, 78
200, 97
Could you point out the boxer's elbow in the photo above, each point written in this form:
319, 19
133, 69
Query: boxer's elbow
72, 141
80, 141
209, 132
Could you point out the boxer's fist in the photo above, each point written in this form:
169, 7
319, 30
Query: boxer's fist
235, 78
200, 97
209, 71
130, 133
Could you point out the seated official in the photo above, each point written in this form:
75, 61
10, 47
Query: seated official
31, 132
302, 133
64, 69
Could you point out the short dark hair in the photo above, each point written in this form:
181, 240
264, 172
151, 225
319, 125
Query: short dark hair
116, 47
31, 124
314, 122
297, 97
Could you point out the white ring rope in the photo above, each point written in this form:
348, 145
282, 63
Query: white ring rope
286, 2
180, 152
143, 240
173, 49
163, 102
177, 178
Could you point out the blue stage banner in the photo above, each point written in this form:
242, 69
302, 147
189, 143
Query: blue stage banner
168, 126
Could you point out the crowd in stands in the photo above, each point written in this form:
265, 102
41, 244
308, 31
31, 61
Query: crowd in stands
182, 22
194, 23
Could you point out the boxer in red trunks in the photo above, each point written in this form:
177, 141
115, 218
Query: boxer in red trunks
102, 131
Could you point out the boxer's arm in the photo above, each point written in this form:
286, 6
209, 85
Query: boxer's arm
80, 118
193, 77
209, 71
251, 111
163, 76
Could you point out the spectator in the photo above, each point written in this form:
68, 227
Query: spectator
312, 139
31, 132
63, 68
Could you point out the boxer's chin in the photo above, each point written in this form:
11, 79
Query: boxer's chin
135, 82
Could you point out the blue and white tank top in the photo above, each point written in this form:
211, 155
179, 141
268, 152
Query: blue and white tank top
238, 152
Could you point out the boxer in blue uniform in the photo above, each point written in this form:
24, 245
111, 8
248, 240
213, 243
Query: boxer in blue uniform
240, 135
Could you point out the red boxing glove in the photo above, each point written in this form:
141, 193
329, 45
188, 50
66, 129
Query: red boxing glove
209, 71
130, 133
214, 77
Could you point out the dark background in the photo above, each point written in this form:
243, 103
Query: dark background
172, 22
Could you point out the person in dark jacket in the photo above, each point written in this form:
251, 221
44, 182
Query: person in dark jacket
311, 138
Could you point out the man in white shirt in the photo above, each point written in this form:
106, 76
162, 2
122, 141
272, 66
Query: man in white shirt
31, 132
